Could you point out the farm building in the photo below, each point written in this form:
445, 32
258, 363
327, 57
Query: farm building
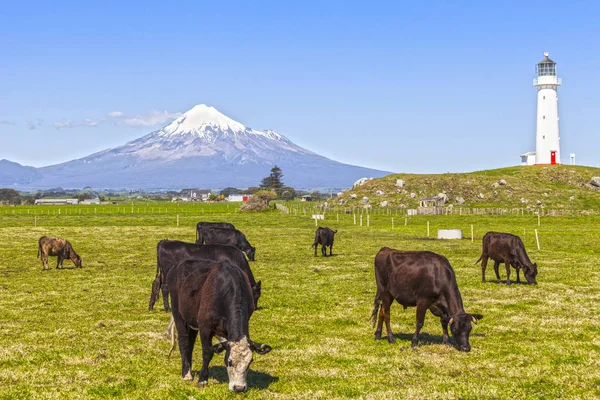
91, 201
307, 197
55, 201
239, 197
195, 194
431, 205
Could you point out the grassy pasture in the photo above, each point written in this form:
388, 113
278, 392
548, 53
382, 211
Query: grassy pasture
87, 333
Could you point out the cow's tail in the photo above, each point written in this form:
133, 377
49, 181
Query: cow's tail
157, 283
480, 257
376, 305
39, 249
172, 333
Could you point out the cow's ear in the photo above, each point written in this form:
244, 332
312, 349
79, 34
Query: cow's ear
260, 348
258, 284
219, 347
476, 317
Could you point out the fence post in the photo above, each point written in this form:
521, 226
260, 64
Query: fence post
537, 239
177, 219
368, 220
354, 215
471, 233
427, 228
360, 219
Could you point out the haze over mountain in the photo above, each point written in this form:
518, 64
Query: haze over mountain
201, 148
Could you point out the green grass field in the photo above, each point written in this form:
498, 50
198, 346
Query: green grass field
86, 333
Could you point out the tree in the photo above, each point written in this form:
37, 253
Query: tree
230, 190
273, 181
287, 193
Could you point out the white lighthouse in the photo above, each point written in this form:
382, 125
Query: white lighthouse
547, 138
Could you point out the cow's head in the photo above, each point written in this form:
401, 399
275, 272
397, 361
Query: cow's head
251, 253
76, 259
460, 326
530, 273
256, 290
238, 357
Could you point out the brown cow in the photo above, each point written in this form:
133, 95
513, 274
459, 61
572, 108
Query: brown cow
426, 280
509, 249
61, 248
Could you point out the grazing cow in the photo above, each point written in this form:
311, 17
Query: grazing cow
509, 249
324, 237
426, 280
213, 299
231, 237
170, 253
61, 248
200, 226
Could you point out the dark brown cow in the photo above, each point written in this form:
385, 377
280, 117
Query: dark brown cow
426, 280
230, 237
169, 253
213, 299
61, 248
509, 249
324, 237
201, 226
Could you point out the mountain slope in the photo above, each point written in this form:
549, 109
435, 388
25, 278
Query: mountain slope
14, 174
202, 148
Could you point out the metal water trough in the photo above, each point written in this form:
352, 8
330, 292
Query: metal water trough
449, 234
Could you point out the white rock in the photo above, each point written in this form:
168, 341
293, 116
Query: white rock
502, 182
365, 199
383, 203
413, 195
353, 196
480, 196
361, 182
379, 193
460, 200
400, 182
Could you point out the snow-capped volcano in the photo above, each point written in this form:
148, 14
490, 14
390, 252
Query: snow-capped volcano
201, 148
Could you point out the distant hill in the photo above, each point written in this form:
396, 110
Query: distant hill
554, 187
13, 174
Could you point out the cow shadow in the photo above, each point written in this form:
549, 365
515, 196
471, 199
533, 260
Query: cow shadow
503, 282
424, 338
255, 379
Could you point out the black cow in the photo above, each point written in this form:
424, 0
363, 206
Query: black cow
170, 253
231, 237
509, 249
324, 237
200, 226
213, 299
426, 280
61, 248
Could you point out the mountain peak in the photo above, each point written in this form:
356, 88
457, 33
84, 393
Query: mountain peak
200, 117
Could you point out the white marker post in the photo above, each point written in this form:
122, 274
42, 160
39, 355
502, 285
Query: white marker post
427, 228
471, 233
537, 239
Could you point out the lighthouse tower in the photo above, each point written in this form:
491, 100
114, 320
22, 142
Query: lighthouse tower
547, 138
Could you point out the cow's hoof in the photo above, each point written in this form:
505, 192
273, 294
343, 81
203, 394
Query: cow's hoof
391, 340
168, 309
508, 283
377, 335
188, 377
202, 384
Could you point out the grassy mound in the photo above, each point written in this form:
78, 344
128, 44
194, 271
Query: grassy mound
555, 187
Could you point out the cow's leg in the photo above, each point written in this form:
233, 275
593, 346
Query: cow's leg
496, 271
484, 261
44, 263
59, 262
165, 294
380, 319
386, 303
207, 355
421, 310
518, 275
507, 272
331, 250
186, 339
316, 246
324, 250
155, 293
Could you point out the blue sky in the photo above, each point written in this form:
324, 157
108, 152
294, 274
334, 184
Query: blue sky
425, 87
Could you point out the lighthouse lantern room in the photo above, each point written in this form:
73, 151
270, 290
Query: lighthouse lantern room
547, 140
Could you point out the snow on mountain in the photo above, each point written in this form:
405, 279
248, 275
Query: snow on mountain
202, 148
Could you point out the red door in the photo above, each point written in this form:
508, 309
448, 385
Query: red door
552, 157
